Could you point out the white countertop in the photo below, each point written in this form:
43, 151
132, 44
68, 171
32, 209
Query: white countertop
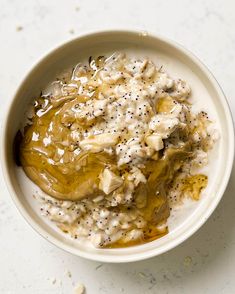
202, 264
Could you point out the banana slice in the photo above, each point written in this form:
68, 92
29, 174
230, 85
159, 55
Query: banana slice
109, 181
154, 141
98, 142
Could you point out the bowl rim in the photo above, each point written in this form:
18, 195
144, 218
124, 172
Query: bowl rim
151, 252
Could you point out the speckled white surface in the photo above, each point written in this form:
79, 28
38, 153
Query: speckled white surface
202, 264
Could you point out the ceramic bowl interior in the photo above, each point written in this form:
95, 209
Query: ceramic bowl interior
206, 95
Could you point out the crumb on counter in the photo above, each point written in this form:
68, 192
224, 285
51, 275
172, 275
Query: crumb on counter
19, 28
188, 260
79, 289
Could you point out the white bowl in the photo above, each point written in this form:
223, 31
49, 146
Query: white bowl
177, 62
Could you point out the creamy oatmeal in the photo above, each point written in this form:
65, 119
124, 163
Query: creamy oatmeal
114, 146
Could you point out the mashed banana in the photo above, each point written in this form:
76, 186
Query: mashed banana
114, 146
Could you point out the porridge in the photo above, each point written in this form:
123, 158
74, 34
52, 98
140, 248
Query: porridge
115, 145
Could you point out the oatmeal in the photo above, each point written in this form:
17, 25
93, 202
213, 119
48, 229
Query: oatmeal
114, 146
